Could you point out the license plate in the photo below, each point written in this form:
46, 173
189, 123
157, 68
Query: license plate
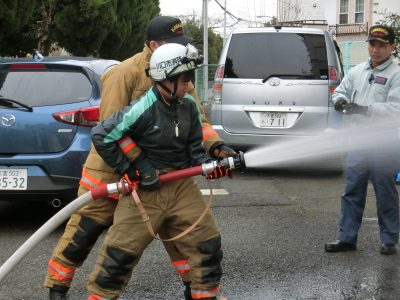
273, 119
13, 179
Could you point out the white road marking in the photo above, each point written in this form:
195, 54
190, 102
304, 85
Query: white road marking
370, 219
206, 192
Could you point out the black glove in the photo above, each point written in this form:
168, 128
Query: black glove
131, 176
223, 151
148, 175
340, 105
220, 171
353, 108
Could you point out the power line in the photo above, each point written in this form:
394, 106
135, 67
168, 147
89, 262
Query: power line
237, 19
225, 10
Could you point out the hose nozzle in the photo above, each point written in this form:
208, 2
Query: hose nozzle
237, 162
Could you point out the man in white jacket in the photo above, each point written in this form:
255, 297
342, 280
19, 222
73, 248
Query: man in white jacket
370, 95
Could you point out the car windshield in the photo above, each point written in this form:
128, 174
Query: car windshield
41, 88
271, 54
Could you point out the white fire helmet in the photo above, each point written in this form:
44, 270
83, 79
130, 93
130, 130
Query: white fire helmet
172, 59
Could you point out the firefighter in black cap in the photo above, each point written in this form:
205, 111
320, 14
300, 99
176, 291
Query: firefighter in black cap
165, 122
120, 85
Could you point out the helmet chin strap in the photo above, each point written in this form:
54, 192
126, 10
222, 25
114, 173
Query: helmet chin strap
165, 88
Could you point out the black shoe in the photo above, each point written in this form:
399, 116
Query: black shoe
58, 292
188, 292
339, 246
388, 249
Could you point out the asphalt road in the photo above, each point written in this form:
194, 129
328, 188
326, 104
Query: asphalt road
273, 224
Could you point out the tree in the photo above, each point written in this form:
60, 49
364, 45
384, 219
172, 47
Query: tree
194, 30
129, 31
81, 26
393, 20
289, 10
272, 22
109, 28
17, 34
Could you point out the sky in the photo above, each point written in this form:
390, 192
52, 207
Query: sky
251, 12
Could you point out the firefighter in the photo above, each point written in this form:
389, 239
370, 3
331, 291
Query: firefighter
120, 85
165, 123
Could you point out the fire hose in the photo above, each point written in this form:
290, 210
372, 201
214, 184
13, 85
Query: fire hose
121, 187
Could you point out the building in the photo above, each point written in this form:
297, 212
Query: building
347, 20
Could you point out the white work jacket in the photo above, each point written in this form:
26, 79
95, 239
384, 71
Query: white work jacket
377, 88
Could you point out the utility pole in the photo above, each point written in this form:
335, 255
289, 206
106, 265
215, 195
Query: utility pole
224, 23
205, 51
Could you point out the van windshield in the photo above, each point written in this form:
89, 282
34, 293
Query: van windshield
271, 54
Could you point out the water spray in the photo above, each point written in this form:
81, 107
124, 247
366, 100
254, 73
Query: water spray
377, 136
121, 187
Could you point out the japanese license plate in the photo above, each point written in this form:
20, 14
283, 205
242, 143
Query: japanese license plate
273, 119
13, 179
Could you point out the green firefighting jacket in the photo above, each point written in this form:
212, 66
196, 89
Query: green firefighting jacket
169, 134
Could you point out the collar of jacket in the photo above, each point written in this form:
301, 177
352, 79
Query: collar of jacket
382, 66
173, 103
147, 52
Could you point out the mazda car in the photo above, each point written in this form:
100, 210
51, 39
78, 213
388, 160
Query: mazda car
47, 108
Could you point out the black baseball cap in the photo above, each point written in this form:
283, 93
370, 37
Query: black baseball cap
169, 29
381, 33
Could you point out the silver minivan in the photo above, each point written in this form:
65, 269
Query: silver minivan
275, 83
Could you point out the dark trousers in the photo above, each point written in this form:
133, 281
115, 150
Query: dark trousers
381, 168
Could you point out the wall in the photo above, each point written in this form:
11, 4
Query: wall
330, 11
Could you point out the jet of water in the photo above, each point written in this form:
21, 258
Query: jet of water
331, 144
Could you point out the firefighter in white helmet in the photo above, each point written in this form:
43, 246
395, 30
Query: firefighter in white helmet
165, 123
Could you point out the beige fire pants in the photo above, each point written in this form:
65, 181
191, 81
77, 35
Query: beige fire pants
173, 207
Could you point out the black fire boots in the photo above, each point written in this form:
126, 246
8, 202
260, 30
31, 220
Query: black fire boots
187, 293
58, 292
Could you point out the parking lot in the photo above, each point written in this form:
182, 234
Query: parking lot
273, 224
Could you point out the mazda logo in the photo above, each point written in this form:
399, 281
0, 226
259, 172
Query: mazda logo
274, 81
8, 120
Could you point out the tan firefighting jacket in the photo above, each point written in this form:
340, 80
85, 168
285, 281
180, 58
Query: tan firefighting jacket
122, 84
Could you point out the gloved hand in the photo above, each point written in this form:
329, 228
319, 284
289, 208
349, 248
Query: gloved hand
220, 171
131, 176
223, 151
340, 105
148, 174
353, 108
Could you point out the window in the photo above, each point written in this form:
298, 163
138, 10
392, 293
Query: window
40, 88
288, 55
359, 11
343, 13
